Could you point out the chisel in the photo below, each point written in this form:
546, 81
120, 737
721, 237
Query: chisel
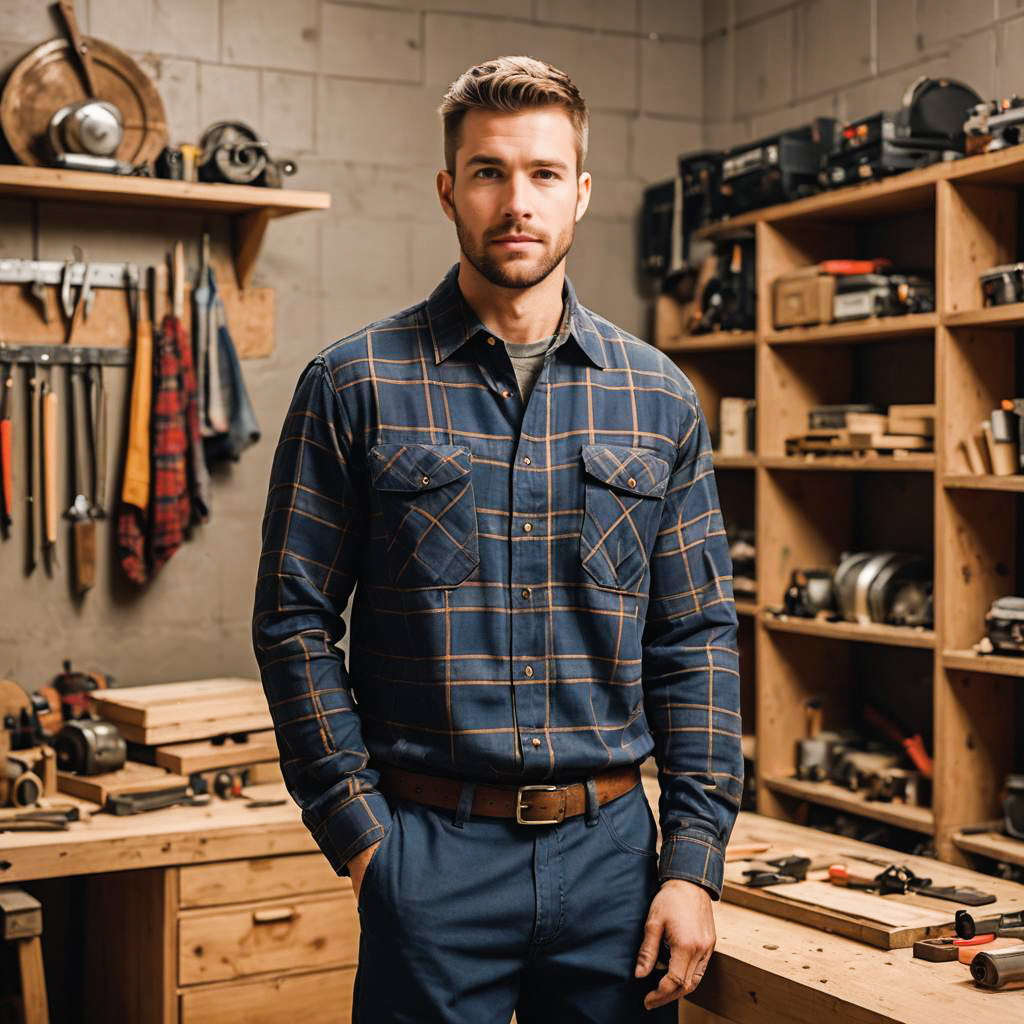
48, 402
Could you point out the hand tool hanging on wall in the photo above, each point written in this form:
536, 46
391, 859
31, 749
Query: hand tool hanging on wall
32, 469
6, 451
134, 505
48, 402
96, 424
83, 526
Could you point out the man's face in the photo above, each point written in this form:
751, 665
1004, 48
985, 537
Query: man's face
516, 196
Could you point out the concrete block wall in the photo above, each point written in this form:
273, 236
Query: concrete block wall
773, 64
351, 91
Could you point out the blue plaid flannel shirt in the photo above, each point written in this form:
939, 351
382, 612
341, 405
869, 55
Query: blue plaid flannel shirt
541, 592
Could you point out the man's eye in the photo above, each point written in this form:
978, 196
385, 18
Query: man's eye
551, 176
488, 171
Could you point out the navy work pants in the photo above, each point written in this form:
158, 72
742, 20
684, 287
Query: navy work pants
466, 919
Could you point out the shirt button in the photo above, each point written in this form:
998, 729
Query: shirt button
527, 460
631, 481
526, 593
506, 393
490, 341
527, 527
425, 480
528, 671
535, 741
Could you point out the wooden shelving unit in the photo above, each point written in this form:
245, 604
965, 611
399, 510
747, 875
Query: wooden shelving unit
251, 208
955, 219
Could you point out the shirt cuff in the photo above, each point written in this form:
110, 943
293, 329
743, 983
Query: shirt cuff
351, 828
695, 855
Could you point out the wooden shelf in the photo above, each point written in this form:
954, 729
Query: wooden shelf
734, 461
877, 633
994, 664
719, 341
1011, 315
746, 606
917, 819
856, 331
880, 463
251, 207
994, 845
986, 482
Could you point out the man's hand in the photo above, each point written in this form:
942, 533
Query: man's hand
681, 914
359, 863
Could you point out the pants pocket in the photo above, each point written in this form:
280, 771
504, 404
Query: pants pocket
630, 823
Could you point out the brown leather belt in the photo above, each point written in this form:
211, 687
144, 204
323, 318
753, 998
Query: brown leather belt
541, 804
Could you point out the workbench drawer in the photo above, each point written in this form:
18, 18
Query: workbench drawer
274, 935
321, 998
258, 878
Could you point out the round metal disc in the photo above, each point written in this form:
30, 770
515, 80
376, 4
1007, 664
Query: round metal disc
47, 79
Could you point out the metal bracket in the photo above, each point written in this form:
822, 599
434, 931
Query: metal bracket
65, 355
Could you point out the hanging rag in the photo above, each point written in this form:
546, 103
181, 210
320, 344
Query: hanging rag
231, 424
132, 516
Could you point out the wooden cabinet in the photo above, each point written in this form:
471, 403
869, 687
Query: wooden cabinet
954, 220
256, 940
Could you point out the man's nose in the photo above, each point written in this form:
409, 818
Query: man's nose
517, 205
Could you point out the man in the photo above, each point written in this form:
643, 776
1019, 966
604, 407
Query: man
524, 495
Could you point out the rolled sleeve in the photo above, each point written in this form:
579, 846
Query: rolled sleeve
313, 529
691, 671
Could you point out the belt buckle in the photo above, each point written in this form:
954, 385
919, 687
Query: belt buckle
520, 805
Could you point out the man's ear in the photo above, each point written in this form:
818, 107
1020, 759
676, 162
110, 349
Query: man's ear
582, 195
445, 192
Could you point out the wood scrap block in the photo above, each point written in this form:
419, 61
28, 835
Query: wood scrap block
204, 755
912, 419
132, 778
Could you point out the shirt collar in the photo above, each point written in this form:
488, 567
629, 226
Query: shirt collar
453, 322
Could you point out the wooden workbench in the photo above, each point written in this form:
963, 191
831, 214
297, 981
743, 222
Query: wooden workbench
764, 970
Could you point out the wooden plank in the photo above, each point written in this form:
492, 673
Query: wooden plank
87, 187
132, 778
186, 711
185, 731
843, 912
173, 693
203, 755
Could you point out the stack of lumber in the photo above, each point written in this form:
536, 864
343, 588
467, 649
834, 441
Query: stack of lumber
185, 711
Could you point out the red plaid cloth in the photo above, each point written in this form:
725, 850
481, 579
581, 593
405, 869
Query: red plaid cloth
146, 540
169, 502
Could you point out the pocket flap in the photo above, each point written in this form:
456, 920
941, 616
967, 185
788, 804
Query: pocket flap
635, 470
417, 467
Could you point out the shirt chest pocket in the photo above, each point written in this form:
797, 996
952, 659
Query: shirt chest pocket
625, 488
428, 510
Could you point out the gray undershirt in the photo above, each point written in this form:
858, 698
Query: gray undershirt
528, 361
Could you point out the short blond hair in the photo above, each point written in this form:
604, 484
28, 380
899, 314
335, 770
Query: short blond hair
512, 84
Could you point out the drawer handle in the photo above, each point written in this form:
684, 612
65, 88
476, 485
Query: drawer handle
273, 915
